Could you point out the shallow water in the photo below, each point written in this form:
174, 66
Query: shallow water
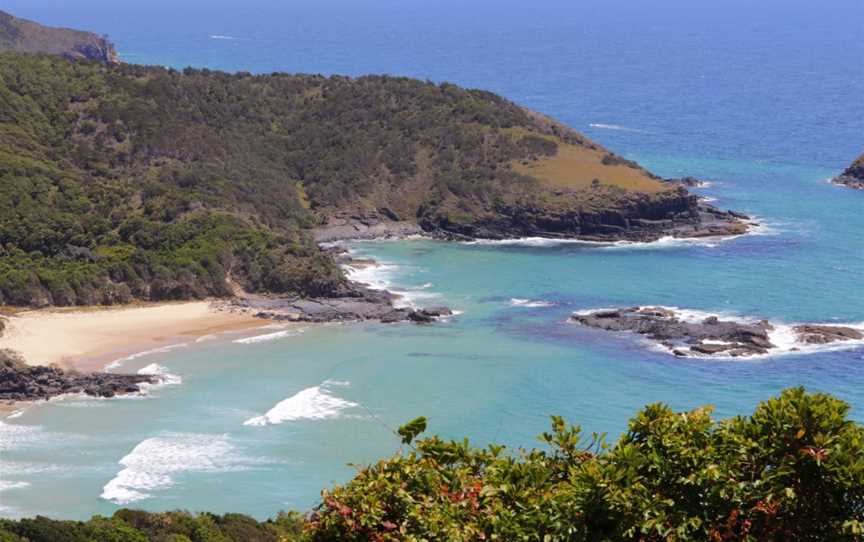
262, 425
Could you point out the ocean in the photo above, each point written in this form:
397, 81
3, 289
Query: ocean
764, 101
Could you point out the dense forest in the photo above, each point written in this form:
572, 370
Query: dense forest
124, 182
792, 471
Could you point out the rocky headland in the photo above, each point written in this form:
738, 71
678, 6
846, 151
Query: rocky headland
355, 302
22, 382
23, 36
634, 217
686, 335
853, 176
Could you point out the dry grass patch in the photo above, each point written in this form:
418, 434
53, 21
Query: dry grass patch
578, 167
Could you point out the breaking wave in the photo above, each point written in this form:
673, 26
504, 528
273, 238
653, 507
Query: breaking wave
315, 403
162, 376
154, 462
380, 276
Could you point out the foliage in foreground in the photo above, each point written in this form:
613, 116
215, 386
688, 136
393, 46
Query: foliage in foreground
793, 471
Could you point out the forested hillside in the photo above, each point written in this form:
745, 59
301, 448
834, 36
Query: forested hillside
122, 182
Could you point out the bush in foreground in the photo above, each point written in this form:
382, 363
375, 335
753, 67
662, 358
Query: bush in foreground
793, 471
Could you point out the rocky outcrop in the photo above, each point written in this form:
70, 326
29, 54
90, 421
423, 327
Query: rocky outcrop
356, 302
21, 382
816, 334
709, 336
626, 216
364, 305
379, 224
688, 182
23, 36
853, 176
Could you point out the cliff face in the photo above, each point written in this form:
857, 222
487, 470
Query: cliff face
23, 36
853, 176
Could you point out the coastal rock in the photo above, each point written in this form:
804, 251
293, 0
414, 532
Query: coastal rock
382, 223
357, 303
853, 176
22, 382
816, 334
689, 182
686, 335
628, 217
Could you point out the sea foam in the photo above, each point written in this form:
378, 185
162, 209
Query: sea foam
161, 350
154, 462
269, 336
381, 276
315, 403
616, 127
530, 303
160, 374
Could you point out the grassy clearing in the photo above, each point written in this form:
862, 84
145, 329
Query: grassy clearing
577, 167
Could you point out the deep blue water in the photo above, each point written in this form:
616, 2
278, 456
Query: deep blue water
763, 100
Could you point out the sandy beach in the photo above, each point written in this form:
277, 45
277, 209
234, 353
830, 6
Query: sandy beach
89, 339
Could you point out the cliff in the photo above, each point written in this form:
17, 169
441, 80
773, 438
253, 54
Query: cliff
124, 182
23, 36
853, 176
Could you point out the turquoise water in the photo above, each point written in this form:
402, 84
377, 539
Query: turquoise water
766, 106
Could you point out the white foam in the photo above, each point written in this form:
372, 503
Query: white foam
161, 350
529, 303
154, 462
380, 276
616, 127
205, 338
15, 414
535, 242
315, 403
223, 37
162, 376
14, 435
269, 336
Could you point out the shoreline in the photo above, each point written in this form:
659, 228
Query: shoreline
752, 224
88, 339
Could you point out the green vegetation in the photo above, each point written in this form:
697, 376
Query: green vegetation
123, 182
793, 471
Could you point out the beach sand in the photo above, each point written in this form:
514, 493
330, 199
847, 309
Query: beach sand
89, 339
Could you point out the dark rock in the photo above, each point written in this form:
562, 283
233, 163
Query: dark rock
22, 382
421, 317
437, 311
356, 303
711, 336
711, 349
819, 334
